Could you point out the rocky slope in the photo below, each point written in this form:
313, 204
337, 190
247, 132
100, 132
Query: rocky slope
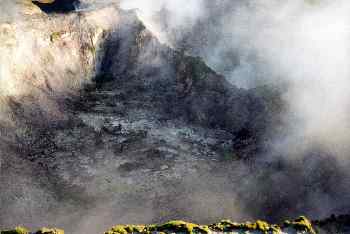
103, 124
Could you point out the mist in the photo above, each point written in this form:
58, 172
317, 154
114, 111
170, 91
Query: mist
301, 45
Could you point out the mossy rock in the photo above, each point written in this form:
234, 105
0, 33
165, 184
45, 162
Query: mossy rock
260, 226
56, 36
17, 230
300, 224
181, 226
50, 231
193, 67
22, 230
176, 226
125, 229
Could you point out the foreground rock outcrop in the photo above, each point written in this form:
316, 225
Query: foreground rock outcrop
21, 230
299, 226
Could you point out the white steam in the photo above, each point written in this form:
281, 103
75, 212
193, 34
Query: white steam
302, 43
48, 58
307, 46
182, 14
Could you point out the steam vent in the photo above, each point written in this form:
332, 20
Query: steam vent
167, 116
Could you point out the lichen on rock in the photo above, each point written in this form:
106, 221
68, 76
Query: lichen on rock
300, 225
17, 230
50, 231
22, 230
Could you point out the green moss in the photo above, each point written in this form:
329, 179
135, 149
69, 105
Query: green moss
181, 226
171, 226
125, 229
17, 230
21, 230
263, 226
50, 231
194, 67
56, 36
228, 226
92, 49
199, 69
300, 224
313, 2
177, 226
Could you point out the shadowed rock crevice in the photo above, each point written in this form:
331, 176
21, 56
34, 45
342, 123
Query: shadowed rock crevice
57, 6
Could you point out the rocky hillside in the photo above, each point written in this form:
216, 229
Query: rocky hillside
103, 124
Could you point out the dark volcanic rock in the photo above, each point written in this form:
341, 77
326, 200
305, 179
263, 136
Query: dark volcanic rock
60, 6
333, 224
180, 85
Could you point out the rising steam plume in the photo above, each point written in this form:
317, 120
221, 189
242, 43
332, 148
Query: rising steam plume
301, 47
301, 44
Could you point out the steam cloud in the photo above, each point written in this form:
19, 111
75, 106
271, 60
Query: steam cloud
301, 47
301, 44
